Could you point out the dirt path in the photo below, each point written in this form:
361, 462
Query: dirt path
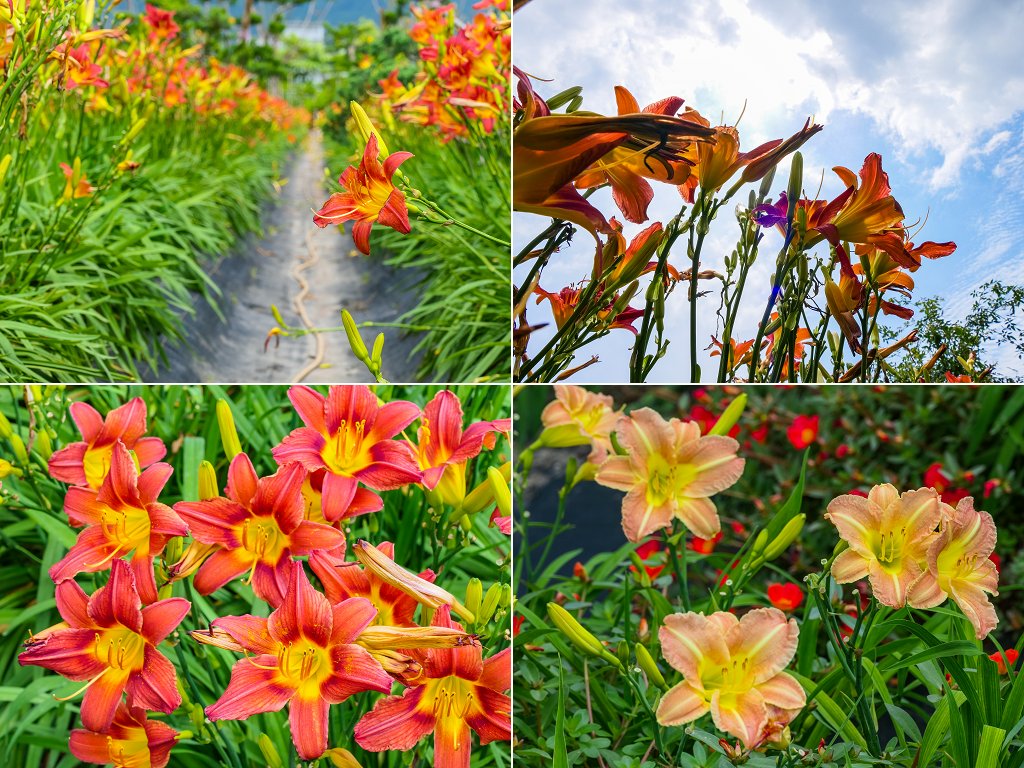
310, 275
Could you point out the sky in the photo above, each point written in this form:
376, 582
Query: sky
937, 88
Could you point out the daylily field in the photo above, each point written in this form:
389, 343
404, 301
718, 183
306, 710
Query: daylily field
255, 576
769, 577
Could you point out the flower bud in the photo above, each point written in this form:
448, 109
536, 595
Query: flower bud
650, 668
18, 446
502, 494
354, 339
490, 603
341, 758
786, 537
4, 165
270, 753
207, 482
730, 416
365, 127
43, 445
228, 433
572, 629
474, 595
376, 356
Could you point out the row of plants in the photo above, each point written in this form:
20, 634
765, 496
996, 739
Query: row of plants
127, 162
343, 555
441, 114
841, 283
783, 577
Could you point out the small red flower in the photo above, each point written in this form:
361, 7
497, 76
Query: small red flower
990, 486
997, 560
578, 571
785, 597
803, 431
1005, 662
648, 548
935, 478
760, 434
842, 451
705, 546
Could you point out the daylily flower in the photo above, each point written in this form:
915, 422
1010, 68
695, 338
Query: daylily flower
131, 741
732, 668
670, 471
737, 352
959, 566
258, 528
395, 608
565, 302
502, 522
704, 546
1006, 660
78, 68
76, 185
121, 517
87, 462
110, 640
160, 24
443, 449
579, 417
306, 657
349, 435
459, 691
889, 534
369, 196
785, 597
803, 431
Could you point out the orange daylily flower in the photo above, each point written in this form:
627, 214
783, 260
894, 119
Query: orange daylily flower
959, 566
459, 691
889, 534
131, 741
732, 668
670, 471
257, 528
349, 435
77, 185
635, 258
122, 516
369, 196
87, 462
306, 657
110, 640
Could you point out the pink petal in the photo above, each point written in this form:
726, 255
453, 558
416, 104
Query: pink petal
87, 419
765, 641
151, 482
73, 605
302, 445
310, 406
850, 566
149, 450
784, 692
393, 418
68, 464
691, 642
640, 517
252, 690
744, 715
681, 704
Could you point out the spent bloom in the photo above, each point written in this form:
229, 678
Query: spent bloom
889, 534
110, 640
669, 471
131, 741
257, 529
732, 668
370, 196
87, 462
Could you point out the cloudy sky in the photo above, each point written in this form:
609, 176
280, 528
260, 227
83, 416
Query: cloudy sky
936, 87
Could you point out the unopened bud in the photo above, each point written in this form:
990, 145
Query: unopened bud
43, 446
208, 488
270, 753
730, 416
474, 595
502, 494
650, 668
354, 339
341, 758
228, 433
786, 537
18, 446
489, 604
572, 629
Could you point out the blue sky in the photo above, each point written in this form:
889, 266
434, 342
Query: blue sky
937, 88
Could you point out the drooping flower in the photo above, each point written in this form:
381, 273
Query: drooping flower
732, 668
786, 597
88, 461
579, 417
670, 471
803, 431
131, 741
370, 196
958, 566
306, 657
349, 434
889, 534
443, 449
110, 640
258, 527
122, 516
459, 691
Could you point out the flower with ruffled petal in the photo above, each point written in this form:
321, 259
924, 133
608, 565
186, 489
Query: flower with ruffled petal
732, 668
110, 640
258, 528
669, 471
579, 417
305, 656
88, 461
349, 434
122, 516
889, 534
459, 691
370, 196
131, 741
443, 449
959, 566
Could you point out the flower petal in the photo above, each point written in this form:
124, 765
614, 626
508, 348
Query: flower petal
155, 686
221, 567
855, 517
395, 722
700, 516
783, 691
117, 602
355, 670
68, 652
689, 641
682, 704
490, 716
850, 566
310, 405
213, 521
305, 613
308, 720
250, 632
744, 715
641, 517
243, 482
163, 617
73, 605
101, 699
351, 617
252, 690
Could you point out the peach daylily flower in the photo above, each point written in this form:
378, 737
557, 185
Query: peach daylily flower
959, 566
732, 668
670, 471
889, 534
579, 417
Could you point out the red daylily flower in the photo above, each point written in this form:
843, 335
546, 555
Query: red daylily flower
443, 449
349, 435
459, 691
341, 582
786, 597
803, 431
87, 462
160, 24
503, 524
110, 640
79, 67
306, 658
258, 527
1005, 660
704, 546
122, 516
131, 740
369, 196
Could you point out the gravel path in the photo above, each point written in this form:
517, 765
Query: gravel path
310, 275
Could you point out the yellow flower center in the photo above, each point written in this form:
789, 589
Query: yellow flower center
263, 539
734, 678
119, 649
954, 564
129, 528
888, 549
132, 752
453, 697
344, 453
96, 464
305, 666
665, 481
589, 419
